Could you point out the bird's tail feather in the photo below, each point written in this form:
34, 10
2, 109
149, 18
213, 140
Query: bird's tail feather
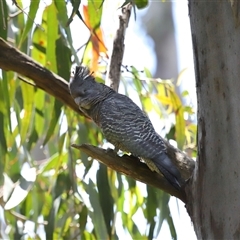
170, 171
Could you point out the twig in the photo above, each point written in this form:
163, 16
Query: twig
114, 67
23, 218
27, 81
22, 10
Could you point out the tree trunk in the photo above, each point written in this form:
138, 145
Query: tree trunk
214, 192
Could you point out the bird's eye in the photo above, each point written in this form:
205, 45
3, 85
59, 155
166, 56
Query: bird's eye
82, 92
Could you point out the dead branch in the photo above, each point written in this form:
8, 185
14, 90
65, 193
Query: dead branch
114, 67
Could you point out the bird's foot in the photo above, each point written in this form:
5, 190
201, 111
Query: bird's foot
133, 156
110, 150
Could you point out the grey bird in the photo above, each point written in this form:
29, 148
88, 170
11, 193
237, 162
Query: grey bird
123, 123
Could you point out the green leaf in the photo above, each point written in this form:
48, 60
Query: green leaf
175, 104
1, 167
62, 12
3, 19
62, 183
172, 227
88, 236
52, 36
185, 93
33, 138
63, 63
30, 21
75, 5
40, 104
179, 116
83, 218
39, 41
147, 104
35, 205
141, 3
120, 183
49, 228
105, 197
151, 204
188, 110
5, 93
163, 199
97, 214
63, 20
136, 79
3, 142
180, 128
9, 186
61, 143
28, 111
95, 13
51, 163
148, 73
54, 120
22, 189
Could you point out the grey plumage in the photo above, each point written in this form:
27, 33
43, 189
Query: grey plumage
123, 123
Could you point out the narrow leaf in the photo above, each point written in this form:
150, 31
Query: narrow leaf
22, 189
30, 21
3, 19
63, 20
97, 217
54, 120
27, 111
105, 197
52, 36
63, 63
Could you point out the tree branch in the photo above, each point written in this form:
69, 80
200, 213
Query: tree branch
13, 60
132, 167
114, 66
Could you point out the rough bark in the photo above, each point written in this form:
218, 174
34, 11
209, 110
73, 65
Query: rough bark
115, 63
132, 167
214, 197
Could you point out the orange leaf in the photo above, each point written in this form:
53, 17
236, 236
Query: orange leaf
96, 39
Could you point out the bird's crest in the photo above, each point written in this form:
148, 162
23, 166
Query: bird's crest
83, 73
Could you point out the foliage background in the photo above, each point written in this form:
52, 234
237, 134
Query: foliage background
48, 188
